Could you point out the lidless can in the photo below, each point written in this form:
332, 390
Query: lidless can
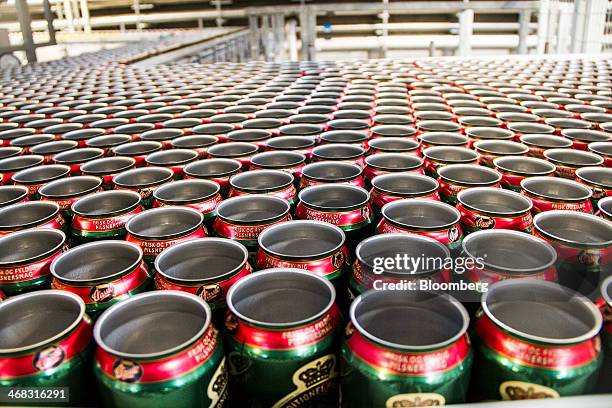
218, 170
493, 254
368, 273
557, 194
115, 272
328, 172
30, 214
516, 169
429, 218
568, 160
488, 208
458, 177
598, 179
536, 339
173, 360
272, 182
65, 192
436, 157
35, 177
345, 206
144, 181
206, 267
565, 231
427, 363
103, 215
604, 208
282, 330
201, 195
244, 218
25, 259
386, 163
54, 346
160, 228
387, 188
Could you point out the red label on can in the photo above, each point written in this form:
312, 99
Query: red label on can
408, 364
536, 355
288, 339
445, 236
226, 229
474, 221
155, 247
49, 357
326, 266
212, 292
168, 368
118, 222
341, 219
24, 273
541, 204
107, 291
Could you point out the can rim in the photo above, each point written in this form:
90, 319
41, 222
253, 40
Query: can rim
168, 176
58, 336
423, 201
31, 224
250, 197
122, 211
40, 256
67, 179
585, 178
498, 163
605, 294
177, 183
538, 282
433, 189
573, 163
187, 230
128, 161
264, 272
169, 250
334, 185
461, 332
93, 244
485, 169
271, 228
125, 303
235, 162
508, 193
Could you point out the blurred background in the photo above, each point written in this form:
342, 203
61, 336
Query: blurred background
42, 30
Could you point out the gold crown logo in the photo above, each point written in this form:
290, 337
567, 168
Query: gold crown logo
320, 372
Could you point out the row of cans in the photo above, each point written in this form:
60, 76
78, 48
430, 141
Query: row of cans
375, 159
284, 344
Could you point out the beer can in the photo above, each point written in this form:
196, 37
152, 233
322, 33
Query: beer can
244, 218
174, 159
144, 181
54, 346
30, 214
436, 139
536, 339
50, 149
385, 163
343, 205
493, 257
103, 215
555, 193
198, 143
426, 363
566, 232
598, 179
489, 150
206, 267
488, 208
394, 145
115, 271
160, 349
538, 143
604, 149
370, 269
298, 144
76, 158
66, 191
26, 257
201, 195
329, 172
36, 177
568, 160
270, 182
137, 150
282, 332
12, 165
458, 177
106, 168
240, 151
438, 156
604, 207
159, 228
13, 195
516, 169
430, 218
289, 161
218, 170
313, 246
582, 137
340, 152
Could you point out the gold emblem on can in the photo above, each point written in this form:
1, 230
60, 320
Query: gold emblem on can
210, 293
484, 222
217, 387
425, 399
102, 293
127, 371
518, 390
315, 378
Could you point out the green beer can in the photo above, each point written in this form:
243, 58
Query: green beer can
46, 341
282, 329
405, 349
536, 339
160, 349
